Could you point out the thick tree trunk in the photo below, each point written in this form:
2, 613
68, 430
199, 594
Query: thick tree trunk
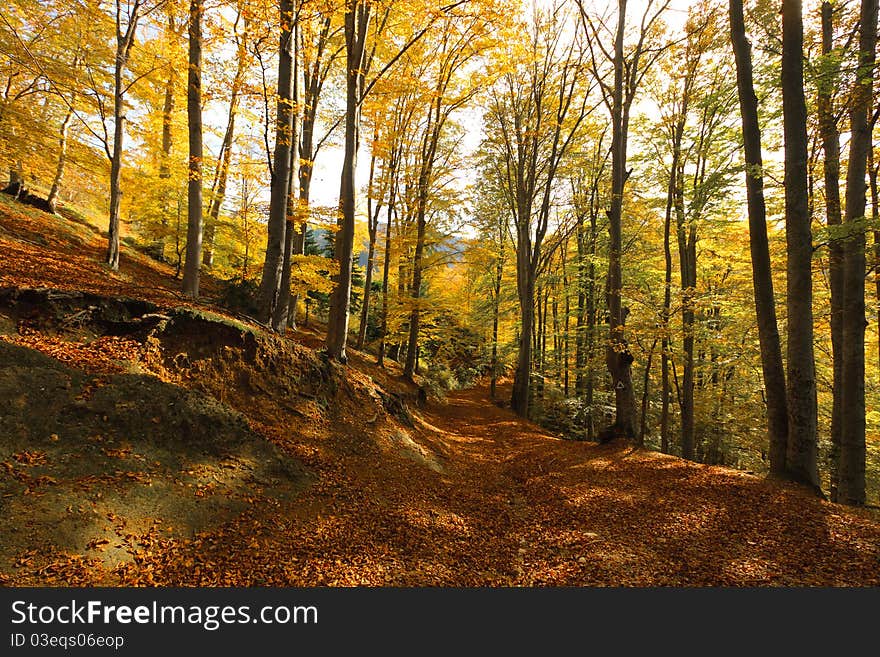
270, 283
617, 357
665, 385
762, 274
875, 221
801, 455
519, 400
687, 255
831, 148
525, 286
194, 186
852, 447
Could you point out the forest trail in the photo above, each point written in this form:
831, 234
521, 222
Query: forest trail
458, 493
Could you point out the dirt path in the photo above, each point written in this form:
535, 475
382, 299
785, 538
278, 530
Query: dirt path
558, 512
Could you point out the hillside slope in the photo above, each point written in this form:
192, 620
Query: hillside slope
150, 442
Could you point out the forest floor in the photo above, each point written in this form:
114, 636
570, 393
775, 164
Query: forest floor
149, 442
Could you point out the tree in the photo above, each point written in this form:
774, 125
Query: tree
536, 110
270, 284
801, 454
221, 172
127, 19
762, 277
459, 43
357, 21
852, 447
828, 73
629, 67
194, 183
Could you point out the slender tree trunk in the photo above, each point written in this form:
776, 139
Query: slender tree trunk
386, 265
194, 186
646, 385
875, 221
158, 246
357, 17
831, 147
580, 336
116, 162
373, 229
566, 322
218, 189
852, 447
592, 319
281, 312
62, 161
124, 41
270, 283
496, 308
801, 455
762, 273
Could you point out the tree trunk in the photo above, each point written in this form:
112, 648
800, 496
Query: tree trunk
293, 242
373, 229
357, 17
646, 383
519, 400
496, 308
281, 313
116, 161
566, 322
194, 186
801, 455
617, 356
415, 292
875, 221
386, 265
158, 246
762, 273
62, 161
687, 255
852, 447
270, 283
218, 189
831, 148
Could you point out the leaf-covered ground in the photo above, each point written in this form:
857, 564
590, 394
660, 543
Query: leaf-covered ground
467, 494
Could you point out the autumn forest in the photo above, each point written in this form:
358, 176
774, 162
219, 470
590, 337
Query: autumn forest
648, 228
